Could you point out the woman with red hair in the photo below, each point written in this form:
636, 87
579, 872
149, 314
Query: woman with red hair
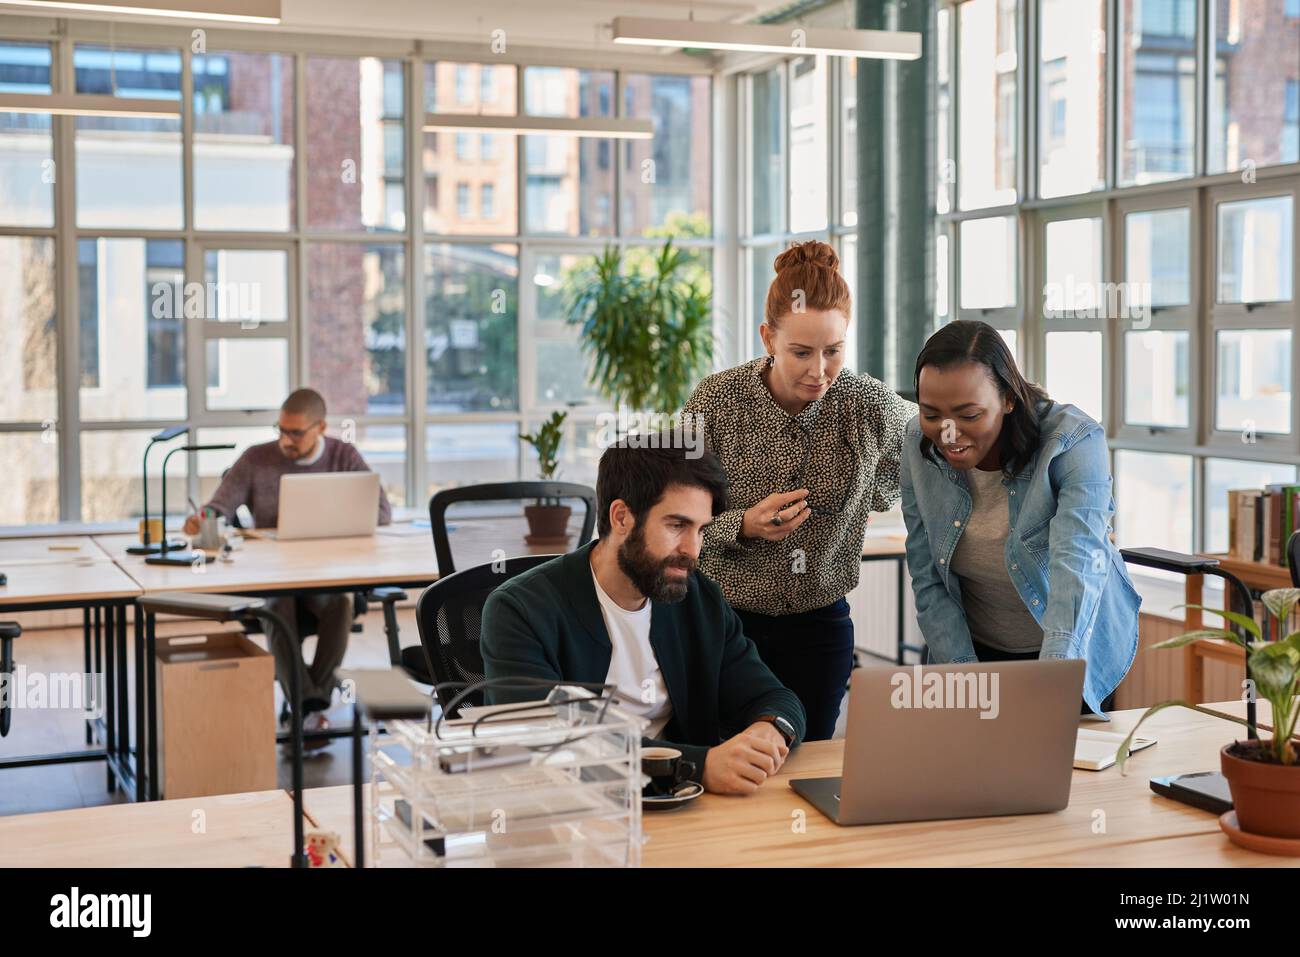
810, 450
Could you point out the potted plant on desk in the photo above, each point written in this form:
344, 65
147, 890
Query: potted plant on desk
1263, 776
548, 520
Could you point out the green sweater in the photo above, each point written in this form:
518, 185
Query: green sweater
546, 623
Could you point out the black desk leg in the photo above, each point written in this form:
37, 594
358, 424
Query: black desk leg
149, 691
99, 661
124, 727
902, 641
110, 704
117, 639
358, 821
92, 675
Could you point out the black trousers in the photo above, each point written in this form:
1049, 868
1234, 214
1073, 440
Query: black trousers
984, 653
811, 653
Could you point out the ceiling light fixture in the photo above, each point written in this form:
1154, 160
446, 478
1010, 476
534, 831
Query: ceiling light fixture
605, 127
89, 104
767, 38
232, 11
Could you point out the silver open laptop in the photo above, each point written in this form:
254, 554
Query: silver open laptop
946, 741
327, 505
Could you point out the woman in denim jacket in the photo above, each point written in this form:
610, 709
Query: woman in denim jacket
1007, 498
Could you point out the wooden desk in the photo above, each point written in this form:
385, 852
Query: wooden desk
68, 580
1140, 827
77, 574
58, 550
228, 830
395, 555
265, 566
1135, 820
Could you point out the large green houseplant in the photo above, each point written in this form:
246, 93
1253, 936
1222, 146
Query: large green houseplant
648, 331
1264, 776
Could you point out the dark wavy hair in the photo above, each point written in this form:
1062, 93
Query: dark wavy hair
969, 340
639, 470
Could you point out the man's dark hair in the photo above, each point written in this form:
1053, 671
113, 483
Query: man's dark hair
639, 476
306, 402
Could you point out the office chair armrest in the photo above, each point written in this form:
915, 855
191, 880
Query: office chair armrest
201, 605
387, 594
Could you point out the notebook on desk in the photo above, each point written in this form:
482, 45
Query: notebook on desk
1095, 750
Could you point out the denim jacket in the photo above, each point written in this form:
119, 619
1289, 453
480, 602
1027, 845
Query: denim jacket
1058, 553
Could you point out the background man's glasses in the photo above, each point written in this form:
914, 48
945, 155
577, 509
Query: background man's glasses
296, 435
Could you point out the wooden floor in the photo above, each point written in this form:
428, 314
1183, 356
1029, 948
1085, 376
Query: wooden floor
57, 787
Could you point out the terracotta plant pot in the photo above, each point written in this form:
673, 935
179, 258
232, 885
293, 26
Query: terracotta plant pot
1265, 794
547, 523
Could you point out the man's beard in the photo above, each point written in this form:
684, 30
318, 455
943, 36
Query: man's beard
647, 573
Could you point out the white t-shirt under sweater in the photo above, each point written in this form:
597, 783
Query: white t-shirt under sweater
633, 667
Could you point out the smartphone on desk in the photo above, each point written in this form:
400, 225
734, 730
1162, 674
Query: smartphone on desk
1207, 790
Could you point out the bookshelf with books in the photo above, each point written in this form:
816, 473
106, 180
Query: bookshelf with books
1260, 520
1259, 577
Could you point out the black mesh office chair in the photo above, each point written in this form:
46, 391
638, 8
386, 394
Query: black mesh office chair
9, 630
413, 659
504, 492
449, 615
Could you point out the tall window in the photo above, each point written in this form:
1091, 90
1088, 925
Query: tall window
1166, 311
988, 131
1072, 84
1157, 91
1257, 65
287, 258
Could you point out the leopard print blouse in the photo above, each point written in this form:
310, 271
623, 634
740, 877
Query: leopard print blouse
844, 448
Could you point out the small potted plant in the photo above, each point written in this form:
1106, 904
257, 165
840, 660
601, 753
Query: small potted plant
548, 520
1263, 775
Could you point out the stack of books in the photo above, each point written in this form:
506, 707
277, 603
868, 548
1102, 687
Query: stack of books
1261, 520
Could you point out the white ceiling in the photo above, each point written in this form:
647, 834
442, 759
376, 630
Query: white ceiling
559, 23
565, 24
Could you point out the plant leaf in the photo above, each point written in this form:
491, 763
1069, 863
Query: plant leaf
1281, 601
1274, 669
1191, 636
1121, 754
1245, 621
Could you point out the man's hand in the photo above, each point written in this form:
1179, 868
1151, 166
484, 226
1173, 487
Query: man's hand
740, 764
191, 526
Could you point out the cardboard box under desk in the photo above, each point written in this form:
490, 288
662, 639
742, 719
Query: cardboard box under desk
216, 695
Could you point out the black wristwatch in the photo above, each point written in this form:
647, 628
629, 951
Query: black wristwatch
782, 725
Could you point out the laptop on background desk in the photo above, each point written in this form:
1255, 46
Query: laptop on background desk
326, 505
952, 741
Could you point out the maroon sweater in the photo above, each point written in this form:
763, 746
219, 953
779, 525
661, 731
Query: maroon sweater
254, 479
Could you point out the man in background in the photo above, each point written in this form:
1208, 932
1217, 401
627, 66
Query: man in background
254, 481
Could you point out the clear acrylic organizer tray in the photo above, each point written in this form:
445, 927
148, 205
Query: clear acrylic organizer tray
574, 798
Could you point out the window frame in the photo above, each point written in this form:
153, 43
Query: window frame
66, 426
1273, 315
